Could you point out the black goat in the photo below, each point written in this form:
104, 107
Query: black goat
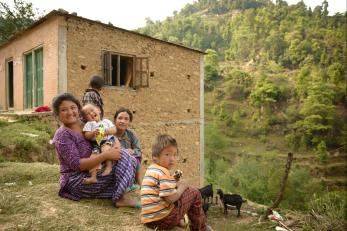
207, 192
205, 207
230, 199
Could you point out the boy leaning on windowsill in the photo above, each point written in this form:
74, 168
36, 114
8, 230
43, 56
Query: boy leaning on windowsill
165, 201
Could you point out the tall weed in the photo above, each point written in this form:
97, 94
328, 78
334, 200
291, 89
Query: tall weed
328, 212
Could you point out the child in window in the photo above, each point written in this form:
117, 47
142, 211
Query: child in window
164, 200
101, 133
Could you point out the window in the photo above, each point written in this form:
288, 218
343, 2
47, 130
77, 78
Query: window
125, 70
33, 78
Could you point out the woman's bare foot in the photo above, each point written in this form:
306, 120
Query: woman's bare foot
90, 180
126, 201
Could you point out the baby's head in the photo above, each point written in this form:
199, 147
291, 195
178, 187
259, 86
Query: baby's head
91, 112
164, 151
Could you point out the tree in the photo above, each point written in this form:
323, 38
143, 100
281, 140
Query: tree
336, 73
211, 67
322, 153
15, 19
318, 112
264, 95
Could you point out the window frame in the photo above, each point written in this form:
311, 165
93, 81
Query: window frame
139, 72
34, 90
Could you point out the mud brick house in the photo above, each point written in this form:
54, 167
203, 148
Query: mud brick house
161, 82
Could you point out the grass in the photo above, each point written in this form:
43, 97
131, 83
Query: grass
29, 201
26, 141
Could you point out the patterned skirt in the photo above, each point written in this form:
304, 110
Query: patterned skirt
111, 186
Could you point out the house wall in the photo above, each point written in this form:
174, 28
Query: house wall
43, 35
171, 103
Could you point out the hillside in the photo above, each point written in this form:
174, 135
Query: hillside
275, 82
270, 69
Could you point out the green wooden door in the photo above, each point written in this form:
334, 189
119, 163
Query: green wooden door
38, 77
28, 98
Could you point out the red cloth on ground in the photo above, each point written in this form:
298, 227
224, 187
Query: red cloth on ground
42, 109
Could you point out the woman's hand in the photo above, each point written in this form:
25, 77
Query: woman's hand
94, 160
131, 151
113, 153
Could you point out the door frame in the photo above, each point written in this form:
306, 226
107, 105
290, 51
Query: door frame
7, 83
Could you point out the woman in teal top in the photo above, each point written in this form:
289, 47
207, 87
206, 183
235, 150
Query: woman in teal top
127, 138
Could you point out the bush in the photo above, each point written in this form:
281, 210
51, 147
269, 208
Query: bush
3, 123
27, 142
259, 181
331, 204
300, 188
322, 153
329, 212
24, 145
42, 127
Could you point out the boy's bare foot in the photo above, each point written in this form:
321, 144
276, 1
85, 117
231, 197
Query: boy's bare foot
183, 223
90, 180
107, 171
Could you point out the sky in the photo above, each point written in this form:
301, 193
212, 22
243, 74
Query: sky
132, 14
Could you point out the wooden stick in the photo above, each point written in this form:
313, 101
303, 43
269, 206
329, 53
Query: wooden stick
284, 226
283, 185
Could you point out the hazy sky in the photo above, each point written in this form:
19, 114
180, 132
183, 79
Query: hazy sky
131, 14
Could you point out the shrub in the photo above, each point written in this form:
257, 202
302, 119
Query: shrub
27, 141
25, 145
300, 188
328, 212
3, 123
259, 181
322, 152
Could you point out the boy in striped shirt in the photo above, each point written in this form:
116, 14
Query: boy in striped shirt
165, 201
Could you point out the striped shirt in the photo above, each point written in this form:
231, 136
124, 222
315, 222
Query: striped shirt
157, 183
92, 96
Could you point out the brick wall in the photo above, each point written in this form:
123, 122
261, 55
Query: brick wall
170, 104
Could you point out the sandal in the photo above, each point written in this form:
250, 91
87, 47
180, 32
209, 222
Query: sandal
133, 187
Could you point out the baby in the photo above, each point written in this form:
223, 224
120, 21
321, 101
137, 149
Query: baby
101, 133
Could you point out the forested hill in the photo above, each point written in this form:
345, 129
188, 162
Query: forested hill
288, 62
275, 82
